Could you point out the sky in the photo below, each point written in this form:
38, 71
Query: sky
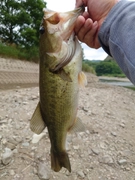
62, 6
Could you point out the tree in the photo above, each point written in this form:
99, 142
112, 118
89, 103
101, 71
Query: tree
107, 68
20, 21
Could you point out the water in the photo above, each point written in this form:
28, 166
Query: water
117, 82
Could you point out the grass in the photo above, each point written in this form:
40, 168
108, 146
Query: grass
8, 51
30, 54
130, 87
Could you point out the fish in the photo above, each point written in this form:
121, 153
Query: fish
59, 80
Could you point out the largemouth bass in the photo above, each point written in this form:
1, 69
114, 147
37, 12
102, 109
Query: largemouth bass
60, 76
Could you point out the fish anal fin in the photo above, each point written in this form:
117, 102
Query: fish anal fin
59, 160
37, 124
82, 79
77, 126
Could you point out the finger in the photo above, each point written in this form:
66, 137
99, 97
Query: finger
85, 29
79, 24
91, 37
85, 15
96, 43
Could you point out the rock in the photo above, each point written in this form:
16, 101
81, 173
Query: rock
43, 171
7, 156
95, 151
25, 103
106, 160
36, 138
4, 141
113, 134
85, 109
12, 172
18, 139
122, 125
81, 174
0, 137
76, 147
33, 97
11, 146
25, 144
122, 162
15, 151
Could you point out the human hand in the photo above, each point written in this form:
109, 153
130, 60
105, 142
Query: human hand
88, 25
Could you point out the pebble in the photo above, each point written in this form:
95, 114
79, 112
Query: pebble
81, 174
12, 172
43, 171
7, 156
25, 144
36, 138
76, 147
11, 146
106, 160
122, 125
95, 151
113, 134
4, 141
122, 162
25, 103
85, 109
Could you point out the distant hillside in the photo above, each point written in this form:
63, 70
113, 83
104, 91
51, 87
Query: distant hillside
109, 58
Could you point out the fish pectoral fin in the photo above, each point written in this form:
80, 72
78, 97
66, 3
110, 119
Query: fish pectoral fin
82, 79
78, 126
37, 124
59, 160
64, 75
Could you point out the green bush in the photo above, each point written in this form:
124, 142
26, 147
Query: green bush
108, 68
87, 68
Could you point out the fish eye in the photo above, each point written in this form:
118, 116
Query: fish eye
42, 30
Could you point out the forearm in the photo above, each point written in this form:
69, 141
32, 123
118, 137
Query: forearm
117, 36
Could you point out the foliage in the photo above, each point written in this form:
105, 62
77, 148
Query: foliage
91, 63
106, 68
87, 68
20, 21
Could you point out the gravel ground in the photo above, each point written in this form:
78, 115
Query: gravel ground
105, 151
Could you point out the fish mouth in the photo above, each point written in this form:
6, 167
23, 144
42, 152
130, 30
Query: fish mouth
58, 30
62, 23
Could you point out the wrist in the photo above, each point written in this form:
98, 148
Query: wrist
109, 7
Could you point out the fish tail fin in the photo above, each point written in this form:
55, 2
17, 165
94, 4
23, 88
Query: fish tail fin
59, 160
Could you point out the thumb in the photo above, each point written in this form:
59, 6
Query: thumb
80, 3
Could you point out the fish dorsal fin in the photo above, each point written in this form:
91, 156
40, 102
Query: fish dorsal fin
78, 126
37, 124
82, 79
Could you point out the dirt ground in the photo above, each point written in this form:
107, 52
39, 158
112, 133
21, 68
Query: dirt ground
105, 151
